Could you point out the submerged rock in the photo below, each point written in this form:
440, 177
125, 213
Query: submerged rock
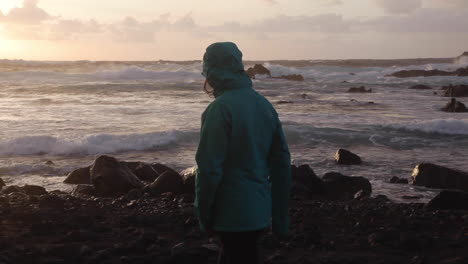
346, 157
111, 177
455, 106
339, 186
435, 176
258, 69
360, 89
79, 176
447, 200
456, 90
420, 87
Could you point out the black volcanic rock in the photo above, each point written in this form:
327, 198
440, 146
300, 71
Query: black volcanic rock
435, 176
258, 69
456, 90
455, 106
161, 168
11, 189
84, 189
346, 157
144, 171
420, 87
339, 186
111, 177
305, 181
446, 200
360, 89
79, 176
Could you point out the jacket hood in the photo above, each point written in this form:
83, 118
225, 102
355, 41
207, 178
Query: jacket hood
223, 67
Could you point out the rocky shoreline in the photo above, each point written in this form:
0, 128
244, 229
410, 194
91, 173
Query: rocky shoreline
333, 220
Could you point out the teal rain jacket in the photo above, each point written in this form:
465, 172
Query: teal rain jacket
244, 167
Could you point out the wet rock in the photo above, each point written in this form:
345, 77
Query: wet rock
456, 90
34, 190
79, 176
346, 157
455, 106
339, 186
304, 96
167, 182
134, 194
435, 176
258, 69
49, 163
395, 179
84, 189
188, 177
449, 200
420, 87
11, 189
111, 177
2, 183
360, 89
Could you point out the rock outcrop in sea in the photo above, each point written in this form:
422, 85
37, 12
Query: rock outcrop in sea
420, 87
346, 157
461, 72
456, 90
360, 89
454, 106
435, 176
259, 69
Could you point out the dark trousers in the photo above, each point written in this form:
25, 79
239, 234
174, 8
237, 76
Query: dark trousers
240, 247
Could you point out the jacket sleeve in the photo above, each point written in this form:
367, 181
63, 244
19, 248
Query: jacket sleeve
280, 176
214, 138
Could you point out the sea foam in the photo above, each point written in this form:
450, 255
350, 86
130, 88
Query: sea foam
439, 126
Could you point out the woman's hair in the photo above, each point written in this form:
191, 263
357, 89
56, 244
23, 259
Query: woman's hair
208, 89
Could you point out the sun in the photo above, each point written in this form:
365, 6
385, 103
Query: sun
7, 5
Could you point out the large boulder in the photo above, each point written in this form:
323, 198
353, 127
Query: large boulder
420, 87
435, 176
346, 157
111, 177
34, 190
189, 176
360, 89
161, 168
339, 186
462, 72
305, 182
2, 183
449, 200
454, 106
456, 90
167, 182
258, 69
79, 176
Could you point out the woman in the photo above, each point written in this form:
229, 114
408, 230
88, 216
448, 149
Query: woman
244, 167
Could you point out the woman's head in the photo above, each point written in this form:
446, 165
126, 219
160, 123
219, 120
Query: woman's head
223, 68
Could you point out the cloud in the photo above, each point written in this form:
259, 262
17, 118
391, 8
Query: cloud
450, 3
332, 2
399, 6
30, 13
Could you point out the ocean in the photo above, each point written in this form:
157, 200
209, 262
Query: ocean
71, 112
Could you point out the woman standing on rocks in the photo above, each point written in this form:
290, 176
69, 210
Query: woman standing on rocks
244, 166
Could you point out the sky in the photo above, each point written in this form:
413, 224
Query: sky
263, 29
